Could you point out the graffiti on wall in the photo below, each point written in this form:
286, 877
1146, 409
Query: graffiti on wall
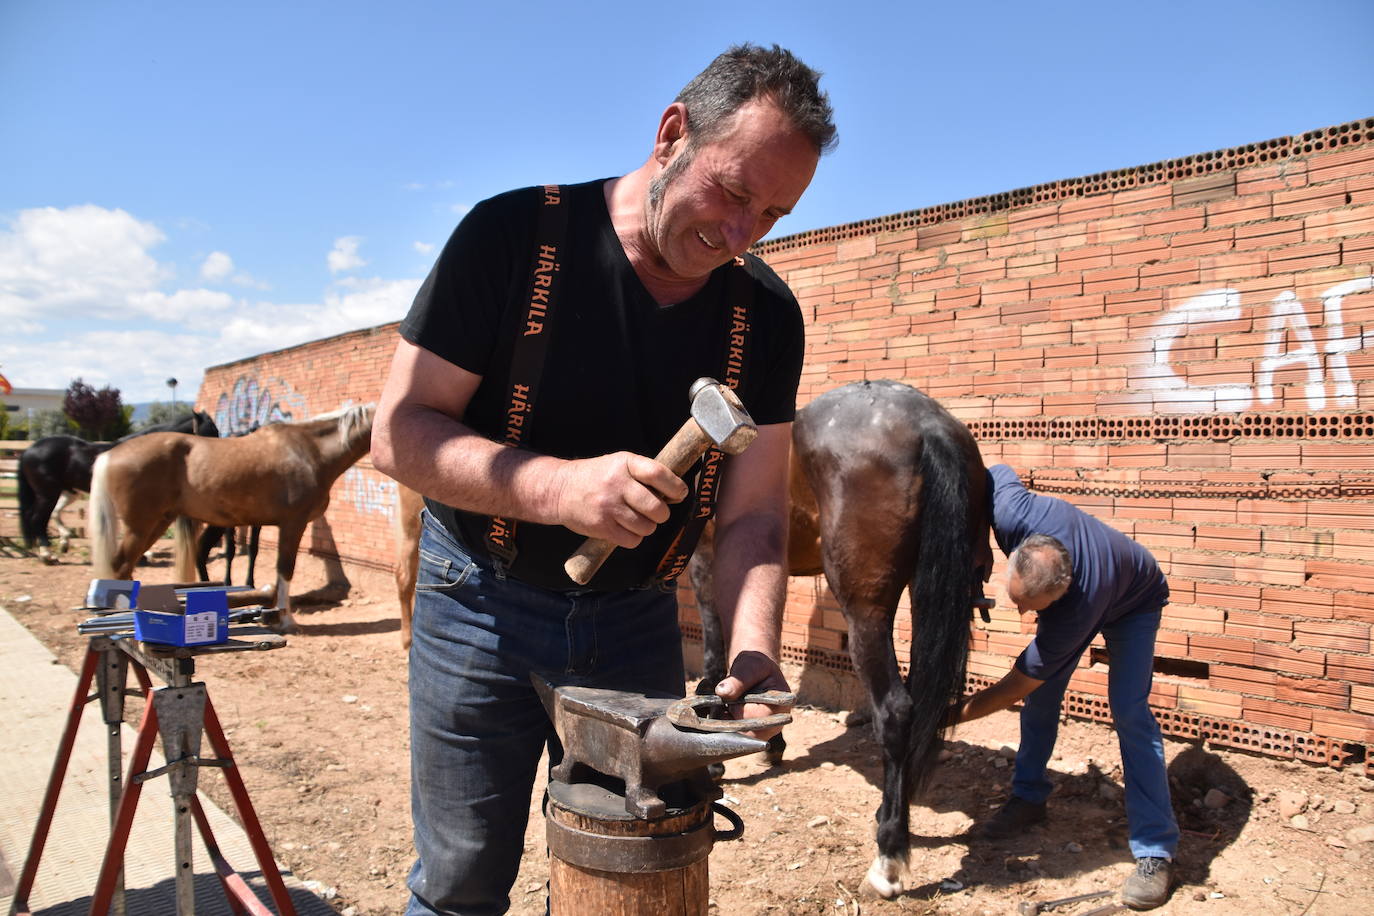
1289, 341
370, 492
252, 403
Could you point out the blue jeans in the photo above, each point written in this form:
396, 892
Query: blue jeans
477, 726
1131, 650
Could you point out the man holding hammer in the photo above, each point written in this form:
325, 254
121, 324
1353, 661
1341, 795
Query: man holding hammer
571, 322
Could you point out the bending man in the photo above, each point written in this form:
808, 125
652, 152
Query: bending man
1081, 577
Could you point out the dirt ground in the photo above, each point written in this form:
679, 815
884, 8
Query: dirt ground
319, 729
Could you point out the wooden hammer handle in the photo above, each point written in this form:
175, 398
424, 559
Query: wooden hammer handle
686, 446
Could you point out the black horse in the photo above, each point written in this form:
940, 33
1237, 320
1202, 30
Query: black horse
55, 467
889, 493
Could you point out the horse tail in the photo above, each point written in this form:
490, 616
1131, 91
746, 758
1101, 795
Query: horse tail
27, 523
185, 540
941, 600
103, 521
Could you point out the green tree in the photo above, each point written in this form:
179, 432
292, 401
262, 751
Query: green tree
159, 412
98, 415
46, 423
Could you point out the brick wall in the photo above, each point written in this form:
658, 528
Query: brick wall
1183, 349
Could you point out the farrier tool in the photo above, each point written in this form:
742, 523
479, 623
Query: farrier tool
1032, 908
717, 419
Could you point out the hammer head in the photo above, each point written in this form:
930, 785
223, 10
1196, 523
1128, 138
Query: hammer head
721, 416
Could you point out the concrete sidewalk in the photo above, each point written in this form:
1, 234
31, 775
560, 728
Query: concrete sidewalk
35, 696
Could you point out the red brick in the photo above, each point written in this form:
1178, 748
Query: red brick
1310, 256
1332, 634
1243, 680
1297, 602
1278, 714
1108, 279
1209, 702
1311, 199
1286, 660
1225, 649
1313, 692
1343, 726
1357, 669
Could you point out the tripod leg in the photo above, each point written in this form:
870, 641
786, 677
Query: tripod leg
247, 815
113, 863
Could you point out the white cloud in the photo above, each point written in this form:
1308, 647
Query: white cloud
423, 247
217, 266
81, 260
460, 209
82, 296
344, 255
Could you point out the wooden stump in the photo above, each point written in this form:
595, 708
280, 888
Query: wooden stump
603, 862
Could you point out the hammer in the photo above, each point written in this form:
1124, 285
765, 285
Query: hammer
717, 418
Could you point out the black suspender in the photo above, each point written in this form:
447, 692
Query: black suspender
739, 296
531, 350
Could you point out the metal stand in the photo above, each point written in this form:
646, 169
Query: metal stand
179, 712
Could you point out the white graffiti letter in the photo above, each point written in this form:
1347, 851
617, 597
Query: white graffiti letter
1287, 311
1337, 344
1213, 306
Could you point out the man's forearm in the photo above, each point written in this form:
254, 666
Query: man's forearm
1007, 692
751, 584
448, 461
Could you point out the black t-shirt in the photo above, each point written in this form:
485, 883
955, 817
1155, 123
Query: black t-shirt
618, 366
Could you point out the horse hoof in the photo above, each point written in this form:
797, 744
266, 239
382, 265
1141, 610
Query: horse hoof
278, 621
885, 877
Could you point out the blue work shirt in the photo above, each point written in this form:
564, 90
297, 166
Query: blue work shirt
1113, 576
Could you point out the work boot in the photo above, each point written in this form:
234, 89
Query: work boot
1148, 885
1013, 819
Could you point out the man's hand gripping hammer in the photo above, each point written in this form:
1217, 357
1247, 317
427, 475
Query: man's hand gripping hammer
717, 419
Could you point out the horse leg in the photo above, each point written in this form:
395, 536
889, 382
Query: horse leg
870, 648
64, 534
208, 538
42, 509
699, 573
288, 541
252, 551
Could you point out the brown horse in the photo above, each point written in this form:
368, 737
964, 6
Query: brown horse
279, 475
889, 493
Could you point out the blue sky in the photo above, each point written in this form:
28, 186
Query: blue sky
186, 183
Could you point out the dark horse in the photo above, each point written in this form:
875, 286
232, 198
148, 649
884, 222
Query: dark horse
889, 489
56, 466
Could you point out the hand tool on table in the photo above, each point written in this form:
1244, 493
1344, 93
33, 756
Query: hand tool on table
1032, 908
717, 419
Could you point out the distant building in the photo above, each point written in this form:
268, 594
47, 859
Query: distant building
25, 401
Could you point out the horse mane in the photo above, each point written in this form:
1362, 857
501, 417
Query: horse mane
352, 422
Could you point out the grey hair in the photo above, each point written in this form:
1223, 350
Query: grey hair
745, 72
1043, 565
